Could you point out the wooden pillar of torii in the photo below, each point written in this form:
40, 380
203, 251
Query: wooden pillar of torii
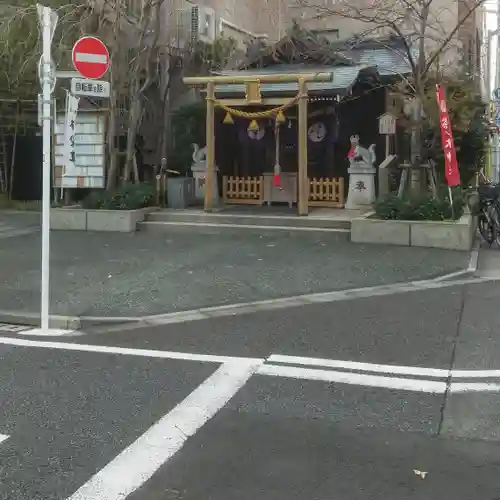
253, 98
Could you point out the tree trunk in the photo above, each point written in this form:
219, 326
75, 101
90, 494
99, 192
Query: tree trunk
135, 112
113, 102
111, 139
416, 143
166, 119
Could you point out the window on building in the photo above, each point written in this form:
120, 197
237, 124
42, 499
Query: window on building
329, 34
206, 26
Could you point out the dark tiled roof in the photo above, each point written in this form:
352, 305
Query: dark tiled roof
343, 78
303, 51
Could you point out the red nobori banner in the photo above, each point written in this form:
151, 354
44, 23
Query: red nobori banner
450, 155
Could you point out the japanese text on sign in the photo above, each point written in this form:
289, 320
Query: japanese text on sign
450, 156
97, 88
69, 135
90, 88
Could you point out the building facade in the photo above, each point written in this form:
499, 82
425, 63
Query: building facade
243, 20
465, 46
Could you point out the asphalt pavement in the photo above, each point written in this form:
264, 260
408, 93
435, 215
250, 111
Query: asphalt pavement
391, 397
14, 223
97, 274
68, 414
242, 456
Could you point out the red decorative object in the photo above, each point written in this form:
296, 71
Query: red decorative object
450, 156
277, 179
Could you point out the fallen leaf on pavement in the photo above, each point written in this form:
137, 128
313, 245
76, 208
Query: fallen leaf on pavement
420, 473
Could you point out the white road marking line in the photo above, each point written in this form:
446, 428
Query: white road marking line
3, 437
404, 384
474, 387
137, 463
363, 379
317, 362
475, 373
365, 367
385, 369
85, 57
148, 353
427, 386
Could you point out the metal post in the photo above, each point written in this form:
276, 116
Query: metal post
210, 133
497, 62
46, 167
303, 204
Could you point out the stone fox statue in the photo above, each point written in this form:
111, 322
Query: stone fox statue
359, 153
199, 154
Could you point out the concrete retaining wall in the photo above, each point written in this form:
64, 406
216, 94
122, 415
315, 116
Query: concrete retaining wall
452, 235
78, 219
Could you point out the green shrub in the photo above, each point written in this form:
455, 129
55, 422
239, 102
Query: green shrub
420, 207
94, 200
127, 197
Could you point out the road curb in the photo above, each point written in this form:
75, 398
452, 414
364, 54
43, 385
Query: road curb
474, 257
471, 269
201, 313
61, 322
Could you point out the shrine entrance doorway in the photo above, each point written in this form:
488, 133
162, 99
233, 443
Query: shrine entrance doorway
267, 185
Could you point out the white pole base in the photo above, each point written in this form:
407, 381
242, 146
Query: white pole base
50, 332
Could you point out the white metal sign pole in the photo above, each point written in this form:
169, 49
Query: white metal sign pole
46, 166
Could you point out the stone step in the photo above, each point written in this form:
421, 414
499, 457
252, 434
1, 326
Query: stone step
215, 227
243, 220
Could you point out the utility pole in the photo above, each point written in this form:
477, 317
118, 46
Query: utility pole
280, 20
48, 21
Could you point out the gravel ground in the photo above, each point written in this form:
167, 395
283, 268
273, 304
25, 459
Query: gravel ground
134, 274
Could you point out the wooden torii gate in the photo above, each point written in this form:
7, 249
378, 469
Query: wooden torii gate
253, 97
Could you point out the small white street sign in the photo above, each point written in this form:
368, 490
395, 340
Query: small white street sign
90, 88
69, 133
51, 69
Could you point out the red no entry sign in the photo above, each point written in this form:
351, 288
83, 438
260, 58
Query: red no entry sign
90, 57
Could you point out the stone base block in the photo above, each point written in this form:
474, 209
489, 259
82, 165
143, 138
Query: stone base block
390, 232
456, 235
76, 219
68, 219
451, 235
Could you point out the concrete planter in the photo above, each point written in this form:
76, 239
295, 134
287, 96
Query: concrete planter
451, 235
79, 219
